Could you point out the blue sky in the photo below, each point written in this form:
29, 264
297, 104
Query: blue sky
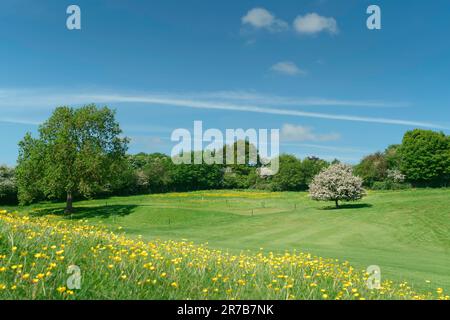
310, 68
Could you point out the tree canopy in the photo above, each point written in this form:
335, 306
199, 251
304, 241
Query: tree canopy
425, 157
372, 168
295, 174
78, 153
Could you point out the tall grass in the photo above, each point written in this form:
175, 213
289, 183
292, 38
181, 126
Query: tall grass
35, 253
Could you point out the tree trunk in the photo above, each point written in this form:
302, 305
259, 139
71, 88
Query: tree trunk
69, 205
337, 204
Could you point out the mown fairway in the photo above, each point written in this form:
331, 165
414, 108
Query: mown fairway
406, 233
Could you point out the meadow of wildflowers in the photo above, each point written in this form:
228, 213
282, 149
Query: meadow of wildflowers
35, 253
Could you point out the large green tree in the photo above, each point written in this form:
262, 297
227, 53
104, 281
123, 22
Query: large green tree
241, 173
393, 157
290, 175
425, 157
159, 173
79, 151
295, 174
187, 177
372, 168
312, 166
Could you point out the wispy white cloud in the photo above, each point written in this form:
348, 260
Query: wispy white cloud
211, 105
267, 99
48, 100
288, 68
339, 149
20, 121
290, 132
312, 23
17, 98
260, 18
147, 141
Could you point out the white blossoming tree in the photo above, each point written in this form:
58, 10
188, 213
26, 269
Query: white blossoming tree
336, 183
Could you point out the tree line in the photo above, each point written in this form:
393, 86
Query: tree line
81, 153
421, 160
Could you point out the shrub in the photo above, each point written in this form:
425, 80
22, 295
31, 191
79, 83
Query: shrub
8, 185
390, 185
395, 176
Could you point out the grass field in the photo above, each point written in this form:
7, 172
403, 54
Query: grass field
406, 233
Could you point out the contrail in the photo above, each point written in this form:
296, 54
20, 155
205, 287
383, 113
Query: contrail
210, 105
26, 98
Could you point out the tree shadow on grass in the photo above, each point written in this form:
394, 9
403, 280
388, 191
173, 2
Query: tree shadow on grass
102, 212
349, 206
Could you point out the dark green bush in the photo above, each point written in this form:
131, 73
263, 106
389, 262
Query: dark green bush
389, 185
